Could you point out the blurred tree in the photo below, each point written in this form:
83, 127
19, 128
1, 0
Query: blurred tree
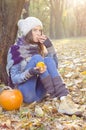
25, 11
74, 20
51, 29
57, 7
80, 14
69, 22
10, 11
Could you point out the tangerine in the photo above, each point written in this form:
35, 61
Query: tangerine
40, 64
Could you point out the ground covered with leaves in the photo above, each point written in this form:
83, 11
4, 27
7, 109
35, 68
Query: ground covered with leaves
44, 115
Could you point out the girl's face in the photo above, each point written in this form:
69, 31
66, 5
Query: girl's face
36, 33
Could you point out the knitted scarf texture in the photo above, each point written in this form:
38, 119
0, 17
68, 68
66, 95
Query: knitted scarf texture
20, 51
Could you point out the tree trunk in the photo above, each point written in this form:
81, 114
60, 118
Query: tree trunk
51, 31
58, 27
57, 9
25, 11
10, 11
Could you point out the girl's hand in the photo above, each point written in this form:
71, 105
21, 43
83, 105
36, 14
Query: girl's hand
34, 71
41, 69
42, 38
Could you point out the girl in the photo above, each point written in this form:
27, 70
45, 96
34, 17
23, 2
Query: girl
34, 83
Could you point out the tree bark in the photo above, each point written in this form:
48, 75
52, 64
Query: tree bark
10, 11
25, 11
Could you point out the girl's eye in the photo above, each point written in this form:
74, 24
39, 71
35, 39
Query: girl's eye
40, 30
34, 30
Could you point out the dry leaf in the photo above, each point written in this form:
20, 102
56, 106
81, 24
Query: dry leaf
38, 111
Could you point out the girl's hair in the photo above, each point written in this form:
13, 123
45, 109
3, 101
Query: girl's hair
29, 39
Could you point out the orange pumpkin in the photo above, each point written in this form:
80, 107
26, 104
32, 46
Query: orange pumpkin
41, 65
11, 99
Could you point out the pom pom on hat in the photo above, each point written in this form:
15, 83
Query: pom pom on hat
26, 25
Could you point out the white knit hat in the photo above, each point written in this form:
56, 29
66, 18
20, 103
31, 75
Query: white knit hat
26, 25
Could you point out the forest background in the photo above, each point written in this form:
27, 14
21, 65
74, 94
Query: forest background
61, 18
64, 22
